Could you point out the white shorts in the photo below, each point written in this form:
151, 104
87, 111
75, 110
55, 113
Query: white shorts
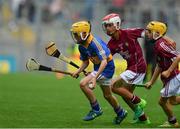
102, 80
131, 77
172, 88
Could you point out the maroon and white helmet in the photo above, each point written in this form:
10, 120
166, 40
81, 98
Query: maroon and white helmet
112, 18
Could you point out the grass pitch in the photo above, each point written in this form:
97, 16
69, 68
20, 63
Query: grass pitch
33, 100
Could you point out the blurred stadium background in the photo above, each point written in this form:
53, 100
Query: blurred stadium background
27, 25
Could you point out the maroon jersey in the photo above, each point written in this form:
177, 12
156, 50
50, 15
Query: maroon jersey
128, 47
165, 54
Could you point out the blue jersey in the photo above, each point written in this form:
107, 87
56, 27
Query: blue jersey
96, 51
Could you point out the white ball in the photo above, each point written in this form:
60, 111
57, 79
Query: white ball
91, 86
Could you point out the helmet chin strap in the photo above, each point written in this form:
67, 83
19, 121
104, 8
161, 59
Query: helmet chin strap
84, 37
83, 40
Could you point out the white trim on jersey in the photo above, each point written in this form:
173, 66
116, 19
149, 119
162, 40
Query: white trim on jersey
100, 48
168, 49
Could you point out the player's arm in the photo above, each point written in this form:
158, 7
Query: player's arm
136, 33
169, 51
101, 53
84, 59
83, 66
101, 67
100, 70
156, 73
172, 67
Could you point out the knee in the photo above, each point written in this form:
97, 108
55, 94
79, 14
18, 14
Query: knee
82, 84
118, 91
108, 96
172, 102
161, 102
116, 84
114, 89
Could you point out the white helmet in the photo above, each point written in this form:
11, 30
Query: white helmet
112, 18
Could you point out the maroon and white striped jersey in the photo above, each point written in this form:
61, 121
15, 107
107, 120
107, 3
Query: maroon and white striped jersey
165, 54
129, 48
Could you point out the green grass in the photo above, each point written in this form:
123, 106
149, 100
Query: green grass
40, 100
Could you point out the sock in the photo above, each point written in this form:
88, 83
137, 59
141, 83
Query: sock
172, 120
95, 105
119, 111
135, 99
143, 117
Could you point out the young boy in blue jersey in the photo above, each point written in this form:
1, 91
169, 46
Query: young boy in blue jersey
94, 49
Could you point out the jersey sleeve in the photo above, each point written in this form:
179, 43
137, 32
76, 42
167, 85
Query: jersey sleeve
168, 51
136, 33
83, 54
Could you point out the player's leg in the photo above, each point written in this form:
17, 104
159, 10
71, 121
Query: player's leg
109, 97
129, 103
127, 93
96, 109
163, 102
121, 113
135, 100
87, 91
143, 118
168, 93
167, 108
129, 78
119, 88
174, 100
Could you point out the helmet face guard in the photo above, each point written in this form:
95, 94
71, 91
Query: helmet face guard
79, 38
111, 19
105, 25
